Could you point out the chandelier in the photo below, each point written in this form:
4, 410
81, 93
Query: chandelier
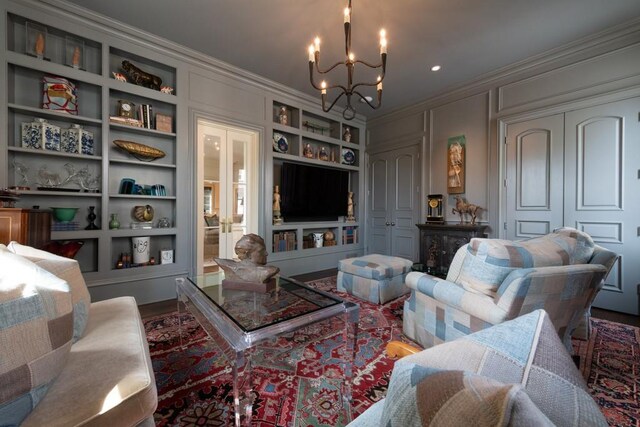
350, 62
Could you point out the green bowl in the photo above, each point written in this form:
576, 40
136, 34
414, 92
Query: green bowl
64, 214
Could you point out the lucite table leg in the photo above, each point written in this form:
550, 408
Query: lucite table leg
242, 388
181, 309
350, 336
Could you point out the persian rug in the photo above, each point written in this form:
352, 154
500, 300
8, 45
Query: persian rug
297, 379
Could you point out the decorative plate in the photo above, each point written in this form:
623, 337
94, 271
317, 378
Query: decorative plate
348, 156
280, 143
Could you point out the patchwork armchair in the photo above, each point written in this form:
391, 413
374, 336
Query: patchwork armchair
491, 281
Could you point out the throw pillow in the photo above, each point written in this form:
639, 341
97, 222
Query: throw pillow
66, 269
36, 328
525, 355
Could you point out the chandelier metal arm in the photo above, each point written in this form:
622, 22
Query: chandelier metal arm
317, 61
324, 98
313, 83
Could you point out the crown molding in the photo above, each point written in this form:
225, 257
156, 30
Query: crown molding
613, 38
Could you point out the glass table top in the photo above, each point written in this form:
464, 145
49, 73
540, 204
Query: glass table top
253, 310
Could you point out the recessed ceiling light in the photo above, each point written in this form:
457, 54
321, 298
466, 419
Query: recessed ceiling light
368, 98
435, 68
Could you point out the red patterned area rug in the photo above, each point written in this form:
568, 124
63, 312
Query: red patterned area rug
610, 362
297, 378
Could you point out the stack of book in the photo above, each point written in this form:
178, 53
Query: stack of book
349, 235
65, 226
145, 115
284, 241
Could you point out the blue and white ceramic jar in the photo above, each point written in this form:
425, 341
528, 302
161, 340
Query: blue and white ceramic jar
77, 140
41, 134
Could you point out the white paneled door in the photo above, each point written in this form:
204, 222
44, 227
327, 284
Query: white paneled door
581, 169
394, 203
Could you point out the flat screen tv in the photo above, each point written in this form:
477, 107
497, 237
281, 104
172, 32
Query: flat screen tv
312, 193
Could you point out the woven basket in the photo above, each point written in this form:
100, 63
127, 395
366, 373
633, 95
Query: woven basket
140, 151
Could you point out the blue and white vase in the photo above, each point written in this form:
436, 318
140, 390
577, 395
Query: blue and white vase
41, 134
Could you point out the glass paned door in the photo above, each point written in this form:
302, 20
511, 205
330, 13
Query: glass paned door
227, 174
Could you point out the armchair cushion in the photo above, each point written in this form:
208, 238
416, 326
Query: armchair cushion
489, 261
36, 329
520, 356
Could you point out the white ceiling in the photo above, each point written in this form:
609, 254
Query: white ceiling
468, 38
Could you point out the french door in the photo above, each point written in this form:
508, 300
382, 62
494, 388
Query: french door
580, 169
227, 202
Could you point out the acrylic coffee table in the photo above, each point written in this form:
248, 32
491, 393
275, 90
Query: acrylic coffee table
239, 320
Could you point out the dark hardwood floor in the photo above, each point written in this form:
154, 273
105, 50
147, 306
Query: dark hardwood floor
162, 307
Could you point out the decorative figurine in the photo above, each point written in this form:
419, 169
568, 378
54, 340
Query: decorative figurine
323, 155
251, 272
463, 208
308, 151
22, 171
141, 78
346, 136
166, 89
119, 76
350, 217
283, 118
143, 213
75, 59
39, 46
277, 219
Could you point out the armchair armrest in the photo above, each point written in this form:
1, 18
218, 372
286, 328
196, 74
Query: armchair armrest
449, 293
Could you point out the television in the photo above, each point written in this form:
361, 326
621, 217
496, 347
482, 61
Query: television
312, 193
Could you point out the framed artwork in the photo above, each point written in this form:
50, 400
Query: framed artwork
455, 164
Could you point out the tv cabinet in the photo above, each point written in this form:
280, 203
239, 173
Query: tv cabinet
318, 139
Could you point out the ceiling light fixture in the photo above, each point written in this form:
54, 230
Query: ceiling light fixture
436, 68
350, 89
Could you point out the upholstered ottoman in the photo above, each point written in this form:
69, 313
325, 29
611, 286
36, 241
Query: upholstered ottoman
374, 278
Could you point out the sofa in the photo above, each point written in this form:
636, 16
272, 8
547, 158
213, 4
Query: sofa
514, 373
65, 361
491, 281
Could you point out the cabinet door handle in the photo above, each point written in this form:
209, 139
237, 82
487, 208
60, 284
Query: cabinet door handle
229, 225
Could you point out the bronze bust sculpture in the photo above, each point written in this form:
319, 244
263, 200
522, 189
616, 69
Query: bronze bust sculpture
252, 268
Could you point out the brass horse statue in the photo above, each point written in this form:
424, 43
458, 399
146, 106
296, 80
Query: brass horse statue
463, 208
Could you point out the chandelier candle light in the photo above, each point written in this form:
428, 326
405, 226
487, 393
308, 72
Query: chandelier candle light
350, 62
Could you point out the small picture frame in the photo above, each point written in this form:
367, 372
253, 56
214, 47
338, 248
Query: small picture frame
74, 53
36, 40
164, 123
166, 256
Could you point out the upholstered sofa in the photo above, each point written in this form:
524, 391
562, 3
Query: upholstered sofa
65, 361
514, 373
491, 281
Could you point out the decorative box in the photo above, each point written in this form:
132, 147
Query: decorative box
41, 134
77, 140
164, 123
59, 94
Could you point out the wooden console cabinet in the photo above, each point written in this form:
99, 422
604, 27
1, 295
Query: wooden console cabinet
30, 227
439, 243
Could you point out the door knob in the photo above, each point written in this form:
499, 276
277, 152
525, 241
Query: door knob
393, 223
387, 223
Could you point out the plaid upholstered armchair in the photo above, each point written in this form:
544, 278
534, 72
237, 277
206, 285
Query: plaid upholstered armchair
491, 281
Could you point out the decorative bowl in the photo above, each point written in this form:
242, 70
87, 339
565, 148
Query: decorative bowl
64, 214
280, 143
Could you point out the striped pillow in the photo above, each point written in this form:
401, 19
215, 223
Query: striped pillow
36, 329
